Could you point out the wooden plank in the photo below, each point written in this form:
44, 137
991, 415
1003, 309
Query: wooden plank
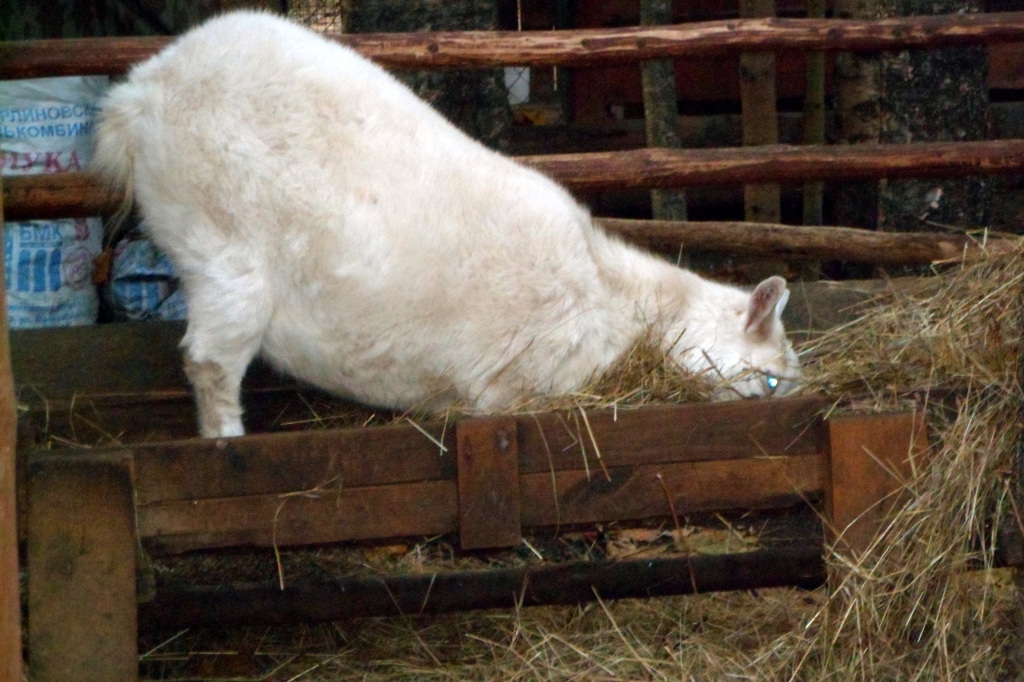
311, 517
326, 460
1006, 66
10, 600
486, 49
488, 457
81, 571
344, 597
760, 118
433, 507
283, 463
111, 360
871, 457
672, 433
637, 492
661, 109
663, 168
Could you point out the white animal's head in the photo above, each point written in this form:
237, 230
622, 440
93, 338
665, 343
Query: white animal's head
739, 340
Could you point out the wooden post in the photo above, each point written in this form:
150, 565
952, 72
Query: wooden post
760, 118
10, 603
488, 455
871, 458
661, 111
814, 118
814, 133
81, 571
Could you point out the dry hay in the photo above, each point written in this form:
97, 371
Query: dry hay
924, 603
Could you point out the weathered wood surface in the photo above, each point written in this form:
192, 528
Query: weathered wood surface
10, 601
43, 196
58, 195
648, 168
327, 486
661, 109
561, 441
485, 49
796, 242
761, 202
872, 458
318, 461
81, 571
571, 497
488, 471
310, 601
301, 518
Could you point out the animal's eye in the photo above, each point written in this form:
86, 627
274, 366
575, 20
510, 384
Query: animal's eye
772, 382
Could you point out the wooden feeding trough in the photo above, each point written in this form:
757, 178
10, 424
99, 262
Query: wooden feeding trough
86, 513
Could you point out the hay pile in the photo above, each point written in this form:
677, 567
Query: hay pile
924, 603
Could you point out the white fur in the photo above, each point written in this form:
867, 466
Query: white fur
323, 216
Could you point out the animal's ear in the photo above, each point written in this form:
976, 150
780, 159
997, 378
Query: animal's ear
766, 305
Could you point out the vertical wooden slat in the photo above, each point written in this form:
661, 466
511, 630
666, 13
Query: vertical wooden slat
81, 563
661, 110
10, 604
871, 458
814, 118
488, 456
760, 118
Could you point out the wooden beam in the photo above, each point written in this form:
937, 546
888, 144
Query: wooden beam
562, 441
632, 169
661, 109
301, 518
797, 242
587, 47
639, 492
328, 486
649, 168
81, 571
344, 597
488, 454
10, 601
871, 459
283, 463
761, 202
431, 508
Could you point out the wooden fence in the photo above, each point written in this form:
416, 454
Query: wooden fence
84, 513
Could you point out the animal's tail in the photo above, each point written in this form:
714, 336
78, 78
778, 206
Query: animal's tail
114, 156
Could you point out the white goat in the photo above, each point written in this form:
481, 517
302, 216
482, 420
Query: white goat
321, 215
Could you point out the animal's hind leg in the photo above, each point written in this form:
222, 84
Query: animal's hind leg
225, 331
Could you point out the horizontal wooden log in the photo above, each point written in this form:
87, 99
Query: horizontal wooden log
321, 600
798, 242
659, 168
584, 47
58, 195
44, 196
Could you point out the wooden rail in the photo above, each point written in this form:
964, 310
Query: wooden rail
586, 47
81, 194
328, 486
